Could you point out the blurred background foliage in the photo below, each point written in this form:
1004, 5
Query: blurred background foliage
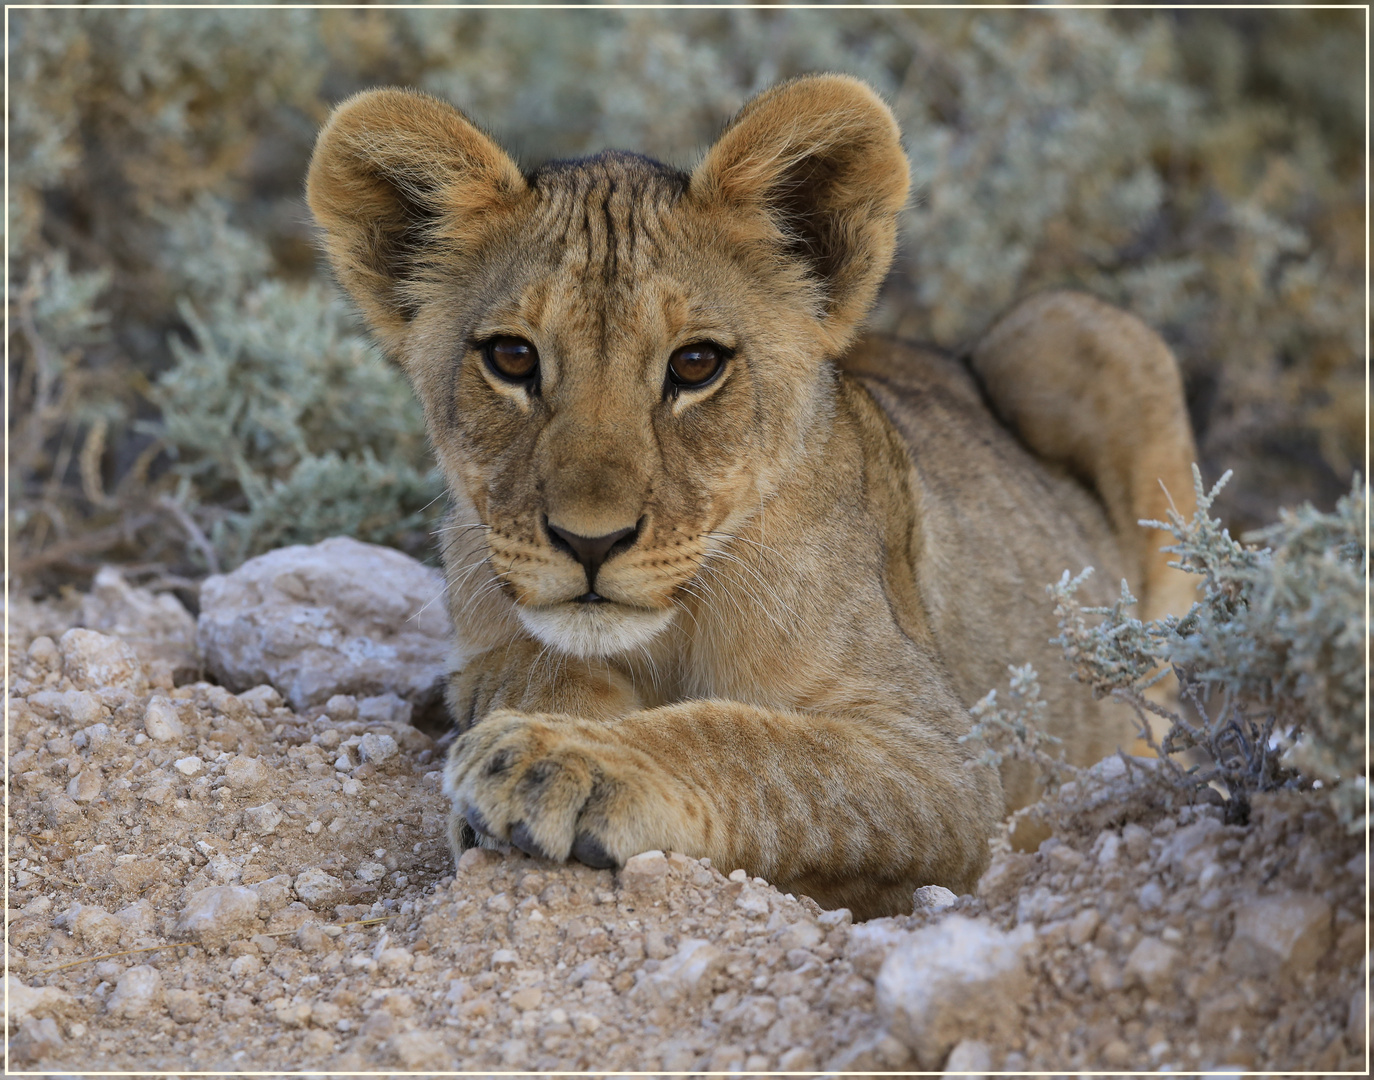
187, 389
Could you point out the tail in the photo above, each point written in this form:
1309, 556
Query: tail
1091, 388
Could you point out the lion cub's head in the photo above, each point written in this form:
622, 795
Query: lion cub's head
619, 362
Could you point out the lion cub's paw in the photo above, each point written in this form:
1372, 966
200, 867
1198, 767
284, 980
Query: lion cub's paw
541, 784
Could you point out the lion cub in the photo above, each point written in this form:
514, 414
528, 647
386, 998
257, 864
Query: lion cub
725, 577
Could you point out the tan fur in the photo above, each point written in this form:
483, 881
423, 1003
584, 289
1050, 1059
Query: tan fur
840, 546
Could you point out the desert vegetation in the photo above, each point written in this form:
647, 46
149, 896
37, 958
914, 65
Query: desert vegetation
188, 391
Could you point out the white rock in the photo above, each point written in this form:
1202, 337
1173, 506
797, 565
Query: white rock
421, 1051
969, 1058
161, 632
933, 898
1190, 849
36, 1040
35, 1001
1082, 926
188, 766
161, 722
1153, 963
957, 979
317, 888
92, 660
274, 893
1283, 933
185, 1006
135, 919
157, 788
61, 811
384, 709
338, 617
138, 992
872, 942
78, 707
395, 960
96, 738
262, 819
218, 914
94, 927
753, 902
342, 707
223, 869
261, 699
376, 749
684, 976
643, 872
799, 935
292, 1014
1137, 841
84, 787
370, 872
43, 652
1061, 857
245, 966
246, 774
1151, 896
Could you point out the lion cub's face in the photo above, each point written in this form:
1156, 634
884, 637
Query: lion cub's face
618, 362
614, 400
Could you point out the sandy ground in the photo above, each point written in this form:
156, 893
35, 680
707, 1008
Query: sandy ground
199, 880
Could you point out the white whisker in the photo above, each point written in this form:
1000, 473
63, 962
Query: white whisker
460, 526
443, 591
760, 599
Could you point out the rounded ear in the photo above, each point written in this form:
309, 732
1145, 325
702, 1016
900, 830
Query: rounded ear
398, 177
820, 160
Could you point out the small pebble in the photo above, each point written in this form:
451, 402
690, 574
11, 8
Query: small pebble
376, 749
161, 721
138, 992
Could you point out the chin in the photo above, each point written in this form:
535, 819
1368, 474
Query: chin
594, 629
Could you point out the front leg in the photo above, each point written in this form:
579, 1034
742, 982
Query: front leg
855, 812
521, 674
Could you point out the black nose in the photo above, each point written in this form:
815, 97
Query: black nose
591, 551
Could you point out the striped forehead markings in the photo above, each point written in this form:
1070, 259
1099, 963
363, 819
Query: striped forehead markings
599, 217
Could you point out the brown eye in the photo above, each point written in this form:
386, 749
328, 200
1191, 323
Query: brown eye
695, 365
513, 359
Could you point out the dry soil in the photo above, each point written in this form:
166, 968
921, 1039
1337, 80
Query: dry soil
203, 880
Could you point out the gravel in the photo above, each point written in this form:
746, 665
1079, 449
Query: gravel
278, 895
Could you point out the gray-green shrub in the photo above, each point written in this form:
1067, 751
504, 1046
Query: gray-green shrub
1202, 168
1270, 661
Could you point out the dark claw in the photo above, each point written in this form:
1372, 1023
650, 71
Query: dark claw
521, 838
587, 849
477, 822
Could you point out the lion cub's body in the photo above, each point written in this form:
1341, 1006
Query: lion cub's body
813, 562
